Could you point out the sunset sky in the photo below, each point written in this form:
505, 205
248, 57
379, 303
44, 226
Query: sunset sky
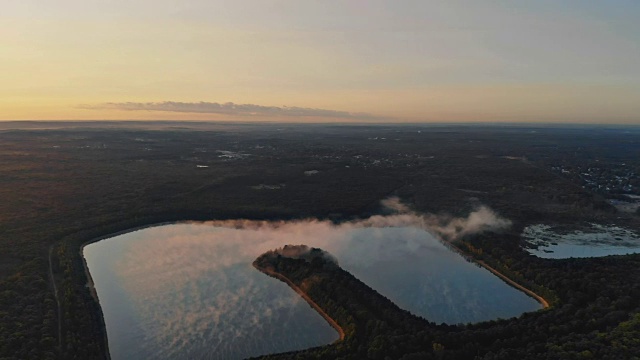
303, 60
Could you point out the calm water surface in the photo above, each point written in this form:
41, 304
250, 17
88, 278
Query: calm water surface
594, 241
188, 291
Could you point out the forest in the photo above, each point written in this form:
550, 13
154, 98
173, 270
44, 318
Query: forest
66, 184
376, 328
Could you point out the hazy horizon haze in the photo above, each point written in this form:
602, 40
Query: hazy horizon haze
315, 61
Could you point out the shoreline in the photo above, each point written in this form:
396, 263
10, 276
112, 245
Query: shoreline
91, 285
545, 304
540, 299
306, 297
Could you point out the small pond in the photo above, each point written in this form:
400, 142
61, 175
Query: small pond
594, 240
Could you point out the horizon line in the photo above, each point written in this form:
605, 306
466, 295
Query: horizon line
369, 123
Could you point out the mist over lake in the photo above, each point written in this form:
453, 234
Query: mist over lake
189, 290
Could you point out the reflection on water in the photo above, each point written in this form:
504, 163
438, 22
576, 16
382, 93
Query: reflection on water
189, 290
595, 241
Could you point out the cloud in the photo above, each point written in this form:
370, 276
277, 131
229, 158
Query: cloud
394, 204
446, 227
481, 220
230, 108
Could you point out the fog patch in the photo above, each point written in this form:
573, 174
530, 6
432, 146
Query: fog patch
395, 204
447, 227
451, 228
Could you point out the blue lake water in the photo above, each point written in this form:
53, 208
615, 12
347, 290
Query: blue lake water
189, 291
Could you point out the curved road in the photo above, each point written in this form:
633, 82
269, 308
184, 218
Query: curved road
55, 293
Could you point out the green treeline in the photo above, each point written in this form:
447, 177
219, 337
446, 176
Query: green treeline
62, 188
374, 326
589, 317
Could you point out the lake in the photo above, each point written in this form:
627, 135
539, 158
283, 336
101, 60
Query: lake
595, 240
188, 290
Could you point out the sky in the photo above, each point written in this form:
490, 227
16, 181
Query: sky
312, 61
